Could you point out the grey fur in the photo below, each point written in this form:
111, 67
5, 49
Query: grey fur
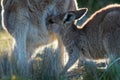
25, 21
97, 37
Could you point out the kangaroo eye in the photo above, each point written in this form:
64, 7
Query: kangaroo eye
51, 21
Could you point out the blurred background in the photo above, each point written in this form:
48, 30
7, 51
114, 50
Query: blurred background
94, 5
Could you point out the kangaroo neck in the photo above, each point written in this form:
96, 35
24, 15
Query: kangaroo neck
69, 35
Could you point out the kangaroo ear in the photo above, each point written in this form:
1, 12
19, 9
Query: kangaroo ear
80, 13
69, 18
73, 15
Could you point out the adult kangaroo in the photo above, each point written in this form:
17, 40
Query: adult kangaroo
25, 21
97, 37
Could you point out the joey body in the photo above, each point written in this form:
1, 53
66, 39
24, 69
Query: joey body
96, 38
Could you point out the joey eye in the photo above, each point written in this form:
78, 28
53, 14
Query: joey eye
51, 21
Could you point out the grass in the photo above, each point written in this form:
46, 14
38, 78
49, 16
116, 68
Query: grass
112, 72
5, 41
13, 78
90, 70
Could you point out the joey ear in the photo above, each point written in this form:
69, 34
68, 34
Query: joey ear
80, 13
68, 18
73, 15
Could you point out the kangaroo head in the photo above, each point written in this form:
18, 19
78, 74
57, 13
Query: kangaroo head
65, 20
